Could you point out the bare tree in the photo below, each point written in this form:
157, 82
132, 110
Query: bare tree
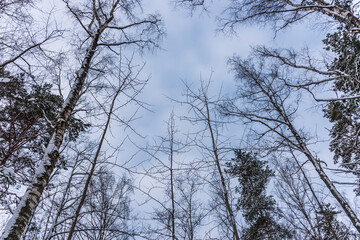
307, 210
22, 38
100, 20
178, 212
214, 149
128, 81
107, 208
282, 13
164, 173
270, 104
191, 211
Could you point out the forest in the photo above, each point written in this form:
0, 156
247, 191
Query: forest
179, 119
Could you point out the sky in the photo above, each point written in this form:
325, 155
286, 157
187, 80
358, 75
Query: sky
193, 49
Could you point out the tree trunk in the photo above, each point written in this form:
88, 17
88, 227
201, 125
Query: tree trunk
315, 162
16, 225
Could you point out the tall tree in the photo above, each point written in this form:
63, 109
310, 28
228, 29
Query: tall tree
306, 205
209, 140
267, 101
128, 87
28, 113
107, 209
259, 209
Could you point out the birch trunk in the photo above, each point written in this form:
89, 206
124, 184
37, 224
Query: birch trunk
16, 225
315, 162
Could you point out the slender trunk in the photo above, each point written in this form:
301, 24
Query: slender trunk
172, 187
320, 205
315, 162
221, 175
92, 170
25, 209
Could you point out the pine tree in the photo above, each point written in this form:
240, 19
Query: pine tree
329, 224
345, 112
27, 115
259, 210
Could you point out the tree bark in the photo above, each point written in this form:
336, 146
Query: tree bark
16, 225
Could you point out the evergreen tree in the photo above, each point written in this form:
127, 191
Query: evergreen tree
27, 115
345, 113
329, 224
259, 210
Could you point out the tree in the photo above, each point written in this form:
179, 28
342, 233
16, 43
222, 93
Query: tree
22, 38
28, 112
214, 149
267, 101
107, 209
130, 86
65, 196
282, 13
100, 22
344, 113
190, 212
308, 209
178, 213
259, 209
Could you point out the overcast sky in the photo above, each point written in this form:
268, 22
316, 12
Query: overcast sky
193, 49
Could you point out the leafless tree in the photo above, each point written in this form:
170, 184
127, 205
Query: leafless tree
24, 40
191, 211
164, 173
282, 13
174, 189
128, 81
107, 210
214, 149
264, 100
306, 208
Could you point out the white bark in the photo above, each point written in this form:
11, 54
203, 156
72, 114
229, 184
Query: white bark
16, 225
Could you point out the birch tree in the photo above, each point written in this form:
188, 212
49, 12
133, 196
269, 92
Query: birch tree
272, 105
178, 213
107, 209
105, 25
308, 208
214, 149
